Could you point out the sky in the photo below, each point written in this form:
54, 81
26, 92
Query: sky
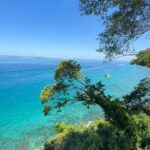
50, 28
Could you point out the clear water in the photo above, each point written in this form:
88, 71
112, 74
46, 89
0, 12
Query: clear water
22, 123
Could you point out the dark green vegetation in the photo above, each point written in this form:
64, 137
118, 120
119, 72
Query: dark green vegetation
143, 58
124, 21
100, 135
125, 126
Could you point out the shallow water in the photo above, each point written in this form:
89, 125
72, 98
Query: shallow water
22, 123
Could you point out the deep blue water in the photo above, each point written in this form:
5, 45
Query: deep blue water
22, 123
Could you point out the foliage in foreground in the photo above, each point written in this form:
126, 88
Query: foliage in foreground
124, 125
143, 58
101, 135
123, 20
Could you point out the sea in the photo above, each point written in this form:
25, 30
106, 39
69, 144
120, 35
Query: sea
23, 125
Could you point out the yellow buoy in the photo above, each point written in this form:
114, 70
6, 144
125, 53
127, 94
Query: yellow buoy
107, 75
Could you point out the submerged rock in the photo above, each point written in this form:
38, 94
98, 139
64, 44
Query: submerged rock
22, 145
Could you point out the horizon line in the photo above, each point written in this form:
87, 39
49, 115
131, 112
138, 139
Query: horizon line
61, 58
5, 55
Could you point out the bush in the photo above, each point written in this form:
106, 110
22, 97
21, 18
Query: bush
102, 135
143, 58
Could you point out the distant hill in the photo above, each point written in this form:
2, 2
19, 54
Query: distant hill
143, 58
28, 60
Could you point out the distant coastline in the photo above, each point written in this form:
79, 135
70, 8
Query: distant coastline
44, 59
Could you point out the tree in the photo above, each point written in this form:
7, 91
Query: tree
124, 20
143, 58
71, 85
136, 100
102, 135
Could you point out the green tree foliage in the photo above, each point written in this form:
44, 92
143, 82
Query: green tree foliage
124, 20
139, 97
72, 86
143, 58
69, 78
101, 135
66, 76
146, 108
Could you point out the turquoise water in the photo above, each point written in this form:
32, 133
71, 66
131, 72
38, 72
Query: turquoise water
22, 123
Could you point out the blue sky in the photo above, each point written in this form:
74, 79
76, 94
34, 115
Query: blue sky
49, 28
